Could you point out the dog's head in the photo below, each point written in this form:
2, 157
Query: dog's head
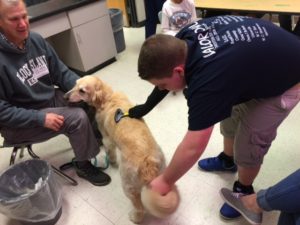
89, 89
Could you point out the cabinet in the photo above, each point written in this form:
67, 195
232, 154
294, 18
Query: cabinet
52, 25
90, 41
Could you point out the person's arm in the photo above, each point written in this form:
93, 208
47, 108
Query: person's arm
11, 115
17, 117
185, 156
153, 99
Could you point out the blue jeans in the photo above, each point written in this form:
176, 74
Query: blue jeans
152, 7
283, 196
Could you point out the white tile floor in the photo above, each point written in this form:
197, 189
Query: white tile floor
86, 204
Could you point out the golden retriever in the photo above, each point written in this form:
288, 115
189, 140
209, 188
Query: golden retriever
141, 159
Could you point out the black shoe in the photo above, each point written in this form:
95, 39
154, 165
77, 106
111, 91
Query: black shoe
92, 174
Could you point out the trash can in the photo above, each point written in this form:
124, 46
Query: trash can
30, 193
116, 18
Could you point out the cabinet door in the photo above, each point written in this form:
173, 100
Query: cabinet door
95, 42
87, 13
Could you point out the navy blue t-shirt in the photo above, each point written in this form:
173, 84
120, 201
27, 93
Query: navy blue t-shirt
232, 59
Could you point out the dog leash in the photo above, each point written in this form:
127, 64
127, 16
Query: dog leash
70, 165
119, 115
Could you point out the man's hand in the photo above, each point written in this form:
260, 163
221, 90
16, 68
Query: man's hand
54, 121
160, 186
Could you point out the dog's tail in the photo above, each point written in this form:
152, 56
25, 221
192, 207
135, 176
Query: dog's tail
149, 168
158, 205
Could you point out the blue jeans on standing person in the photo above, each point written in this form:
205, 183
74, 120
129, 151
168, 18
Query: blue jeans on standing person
152, 8
285, 22
284, 196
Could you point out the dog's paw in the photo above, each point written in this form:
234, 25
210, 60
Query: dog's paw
136, 216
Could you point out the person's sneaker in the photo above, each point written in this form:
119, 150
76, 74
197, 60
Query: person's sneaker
92, 174
229, 213
233, 199
217, 164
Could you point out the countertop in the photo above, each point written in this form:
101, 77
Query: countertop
52, 7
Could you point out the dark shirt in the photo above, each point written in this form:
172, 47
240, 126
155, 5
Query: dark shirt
232, 59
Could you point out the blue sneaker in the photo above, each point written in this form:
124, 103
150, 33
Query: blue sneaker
216, 164
234, 200
229, 213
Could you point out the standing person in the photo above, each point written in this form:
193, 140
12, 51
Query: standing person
283, 196
152, 8
176, 14
31, 108
222, 62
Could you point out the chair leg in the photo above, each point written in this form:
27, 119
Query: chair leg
57, 171
13, 155
31, 153
22, 152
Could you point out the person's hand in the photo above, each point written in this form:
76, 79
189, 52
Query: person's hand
54, 121
160, 186
137, 111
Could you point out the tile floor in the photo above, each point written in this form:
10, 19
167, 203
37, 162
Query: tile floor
86, 204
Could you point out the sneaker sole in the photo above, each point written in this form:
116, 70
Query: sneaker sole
229, 219
213, 170
237, 209
96, 184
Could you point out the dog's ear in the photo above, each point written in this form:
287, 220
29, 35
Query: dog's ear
98, 98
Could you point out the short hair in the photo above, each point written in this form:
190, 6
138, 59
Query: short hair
8, 3
159, 55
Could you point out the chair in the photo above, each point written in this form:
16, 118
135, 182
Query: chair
28, 146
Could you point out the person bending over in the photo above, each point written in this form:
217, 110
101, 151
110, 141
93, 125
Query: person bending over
221, 61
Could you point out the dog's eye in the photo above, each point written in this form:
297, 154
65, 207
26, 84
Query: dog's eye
81, 91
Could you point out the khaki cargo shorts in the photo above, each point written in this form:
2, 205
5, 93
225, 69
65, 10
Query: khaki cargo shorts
253, 125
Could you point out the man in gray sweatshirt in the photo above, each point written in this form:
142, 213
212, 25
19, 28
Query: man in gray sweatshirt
33, 81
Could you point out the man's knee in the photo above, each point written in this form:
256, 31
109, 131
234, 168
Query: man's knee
228, 128
77, 117
250, 149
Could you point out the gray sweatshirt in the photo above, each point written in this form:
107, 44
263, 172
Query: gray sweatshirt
27, 81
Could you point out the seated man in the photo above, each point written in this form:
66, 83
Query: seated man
31, 108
